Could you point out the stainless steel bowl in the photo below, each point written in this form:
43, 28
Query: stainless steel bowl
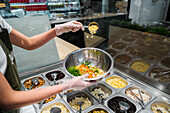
97, 57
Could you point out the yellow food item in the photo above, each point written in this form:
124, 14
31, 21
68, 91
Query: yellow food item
60, 105
140, 66
93, 29
116, 83
91, 70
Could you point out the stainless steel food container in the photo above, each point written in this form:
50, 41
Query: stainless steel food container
120, 50
145, 111
117, 89
97, 107
58, 81
160, 98
139, 59
59, 100
39, 75
124, 65
138, 107
157, 66
142, 88
103, 87
36, 106
79, 93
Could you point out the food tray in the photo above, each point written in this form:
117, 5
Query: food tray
138, 107
115, 76
129, 38
144, 89
126, 64
36, 106
158, 66
145, 111
113, 53
162, 64
138, 59
79, 93
59, 100
119, 49
97, 107
39, 75
58, 69
104, 88
160, 98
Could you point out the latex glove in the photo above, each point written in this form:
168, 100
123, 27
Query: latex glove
67, 27
77, 83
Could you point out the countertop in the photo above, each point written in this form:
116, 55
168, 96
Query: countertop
94, 16
64, 48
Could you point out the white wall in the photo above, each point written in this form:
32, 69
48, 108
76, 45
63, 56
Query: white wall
147, 12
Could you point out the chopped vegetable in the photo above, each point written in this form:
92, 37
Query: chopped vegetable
73, 71
86, 68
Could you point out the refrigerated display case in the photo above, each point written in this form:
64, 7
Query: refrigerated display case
53, 8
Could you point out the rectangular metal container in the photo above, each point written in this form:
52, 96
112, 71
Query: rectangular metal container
59, 100
142, 88
103, 87
39, 75
79, 93
36, 106
160, 98
115, 76
52, 82
98, 107
138, 107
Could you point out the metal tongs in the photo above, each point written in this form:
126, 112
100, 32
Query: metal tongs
156, 74
141, 102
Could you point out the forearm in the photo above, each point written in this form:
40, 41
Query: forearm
31, 43
22, 98
41, 39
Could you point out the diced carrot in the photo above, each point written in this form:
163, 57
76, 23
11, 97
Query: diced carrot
90, 76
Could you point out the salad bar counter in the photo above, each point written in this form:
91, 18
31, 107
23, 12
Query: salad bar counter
116, 93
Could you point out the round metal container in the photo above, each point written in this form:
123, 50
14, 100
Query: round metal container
97, 57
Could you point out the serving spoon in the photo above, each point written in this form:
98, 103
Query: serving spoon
156, 74
54, 75
34, 82
55, 110
80, 104
124, 106
102, 99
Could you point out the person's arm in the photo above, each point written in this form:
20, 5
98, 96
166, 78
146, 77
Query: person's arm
11, 99
37, 41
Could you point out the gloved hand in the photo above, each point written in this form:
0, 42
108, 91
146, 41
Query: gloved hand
77, 83
67, 27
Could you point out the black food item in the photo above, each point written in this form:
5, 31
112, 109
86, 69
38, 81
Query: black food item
111, 52
166, 62
119, 45
60, 75
113, 104
123, 59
